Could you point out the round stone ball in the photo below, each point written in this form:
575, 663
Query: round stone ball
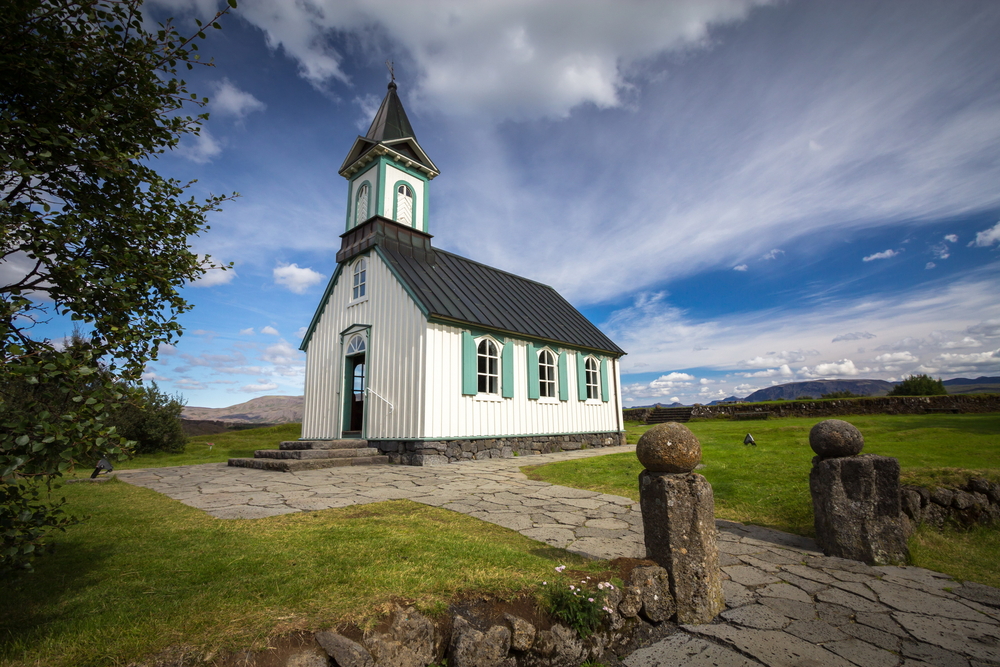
833, 438
669, 447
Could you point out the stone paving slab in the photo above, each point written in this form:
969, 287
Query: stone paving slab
787, 603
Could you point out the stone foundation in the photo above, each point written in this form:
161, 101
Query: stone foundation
443, 452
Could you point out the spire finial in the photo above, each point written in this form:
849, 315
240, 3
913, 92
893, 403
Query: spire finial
392, 73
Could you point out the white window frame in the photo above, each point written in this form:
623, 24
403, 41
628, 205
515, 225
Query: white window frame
360, 215
408, 195
359, 281
552, 381
497, 374
593, 388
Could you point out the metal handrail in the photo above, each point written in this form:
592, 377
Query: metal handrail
372, 391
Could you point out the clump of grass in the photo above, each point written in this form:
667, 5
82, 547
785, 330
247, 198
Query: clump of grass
577, 604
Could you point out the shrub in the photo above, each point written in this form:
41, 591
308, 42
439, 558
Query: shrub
151, 418
919, 385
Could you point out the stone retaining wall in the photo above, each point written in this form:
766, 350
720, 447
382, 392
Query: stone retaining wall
874, 405
637, 615
442, 452
977, 503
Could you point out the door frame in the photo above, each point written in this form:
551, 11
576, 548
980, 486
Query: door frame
347, 377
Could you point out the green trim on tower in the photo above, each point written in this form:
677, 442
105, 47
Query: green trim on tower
380, 189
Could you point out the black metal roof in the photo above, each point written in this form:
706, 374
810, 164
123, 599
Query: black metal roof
390, 122
451, 287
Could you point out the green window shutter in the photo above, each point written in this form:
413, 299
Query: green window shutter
581, 377
563, 378
507, 370
532, 371
470, 384
605, 394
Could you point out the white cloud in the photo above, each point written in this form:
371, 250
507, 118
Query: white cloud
842, 368
977, 361
773, 254
777, 358
987, 237
262, 385
214, 275
988, 328
247, 332
301, 332
783, 371
965, 342
229, 100
857, 335
930, 265
896, 357
674, 399
885, 254
740, 267
270, 331
282, 354
166, 349
941, 250
510, 59
296, 279
200, 148
951, 238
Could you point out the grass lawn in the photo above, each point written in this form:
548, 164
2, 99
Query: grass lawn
768, 485
146, 572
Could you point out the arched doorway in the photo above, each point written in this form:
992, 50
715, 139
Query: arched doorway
354, 387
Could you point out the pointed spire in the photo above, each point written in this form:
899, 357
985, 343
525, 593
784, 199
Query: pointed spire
390, 122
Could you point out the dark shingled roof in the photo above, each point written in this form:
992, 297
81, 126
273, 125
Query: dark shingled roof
451, 287
390, 122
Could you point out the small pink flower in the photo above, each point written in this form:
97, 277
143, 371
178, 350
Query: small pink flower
590, 599
560, 568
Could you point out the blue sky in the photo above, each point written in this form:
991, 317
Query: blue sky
739, 193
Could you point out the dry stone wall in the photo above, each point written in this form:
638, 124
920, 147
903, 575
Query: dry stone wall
443, 452
976, 503
882, 405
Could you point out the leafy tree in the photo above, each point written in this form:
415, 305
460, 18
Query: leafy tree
840, 394
88, 230
919, 385
152, 420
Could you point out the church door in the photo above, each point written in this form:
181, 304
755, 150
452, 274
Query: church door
355, 388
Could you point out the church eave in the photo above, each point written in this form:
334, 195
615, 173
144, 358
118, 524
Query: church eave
356, 162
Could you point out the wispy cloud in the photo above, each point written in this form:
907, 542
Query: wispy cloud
885, 254
228, 100
987, 237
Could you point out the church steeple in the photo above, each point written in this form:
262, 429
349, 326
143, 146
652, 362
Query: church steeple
387, 170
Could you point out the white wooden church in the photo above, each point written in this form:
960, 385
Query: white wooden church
434, 358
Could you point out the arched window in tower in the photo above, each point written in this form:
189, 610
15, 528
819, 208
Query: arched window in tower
360, 269
404, 204
361, 210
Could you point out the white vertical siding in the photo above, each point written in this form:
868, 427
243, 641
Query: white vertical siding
449, 414
394, 358
371, 176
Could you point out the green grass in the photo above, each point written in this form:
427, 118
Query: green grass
146, 572
768, 485
224, 446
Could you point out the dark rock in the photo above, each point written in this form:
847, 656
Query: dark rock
409, 641
522, 633
631, 602
856, 505
942, 497
345, 653
668, 447
910, 500
935, 515
678, 520
835, 438
472, 648
558, 647
978, 485
653, 583
925, 495
963, 500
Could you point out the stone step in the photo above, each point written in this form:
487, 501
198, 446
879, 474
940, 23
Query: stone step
346, 443
302, 454
295, 465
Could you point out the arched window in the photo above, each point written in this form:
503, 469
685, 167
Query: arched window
593, 379
360, 269
404, 204
361, 209
356, 346
488, 367
546, 374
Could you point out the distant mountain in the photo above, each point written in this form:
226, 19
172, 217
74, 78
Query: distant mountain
981, 385
263, 410
816, 388
731, 399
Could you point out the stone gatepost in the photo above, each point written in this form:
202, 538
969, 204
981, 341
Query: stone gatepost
856, 499
678, 520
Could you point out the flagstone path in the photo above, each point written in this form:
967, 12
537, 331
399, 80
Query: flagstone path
787, 604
